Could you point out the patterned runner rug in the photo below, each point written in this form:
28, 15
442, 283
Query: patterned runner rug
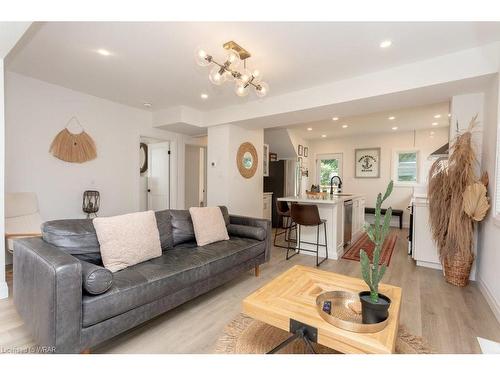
364, 242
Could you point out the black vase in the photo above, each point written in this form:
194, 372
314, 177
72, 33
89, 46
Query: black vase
374, 312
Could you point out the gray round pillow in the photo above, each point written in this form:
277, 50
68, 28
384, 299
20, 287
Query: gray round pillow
96, 279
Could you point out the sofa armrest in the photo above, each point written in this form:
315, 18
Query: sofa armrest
48, 294
255, 222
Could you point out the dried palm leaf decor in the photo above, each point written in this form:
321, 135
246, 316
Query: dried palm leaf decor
73, 148
457, 199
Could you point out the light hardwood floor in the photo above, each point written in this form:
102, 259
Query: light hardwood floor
449, 318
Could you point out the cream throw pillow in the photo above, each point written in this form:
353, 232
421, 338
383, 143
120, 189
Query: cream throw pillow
128, 239
208, 224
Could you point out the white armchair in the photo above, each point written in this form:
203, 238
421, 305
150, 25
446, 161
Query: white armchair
22, 218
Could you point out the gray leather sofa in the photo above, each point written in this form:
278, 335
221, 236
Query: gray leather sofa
70, 302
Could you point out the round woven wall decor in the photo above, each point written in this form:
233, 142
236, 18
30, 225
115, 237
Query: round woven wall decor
247, 169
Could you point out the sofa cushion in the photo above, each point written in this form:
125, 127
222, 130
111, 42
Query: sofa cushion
246, 231
76, 235
182, 227
208, 224
163, 220
174, 270
95, 279
225, 214
126, 240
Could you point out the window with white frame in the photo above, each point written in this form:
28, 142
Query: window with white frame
405, 167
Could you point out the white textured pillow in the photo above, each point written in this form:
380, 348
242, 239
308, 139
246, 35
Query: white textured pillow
208, 224
128, 239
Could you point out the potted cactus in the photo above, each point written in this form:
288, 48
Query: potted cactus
374, 305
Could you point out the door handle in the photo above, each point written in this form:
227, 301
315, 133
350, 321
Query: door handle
149, 190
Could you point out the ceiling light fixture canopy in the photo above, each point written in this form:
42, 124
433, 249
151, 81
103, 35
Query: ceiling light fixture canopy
227, 71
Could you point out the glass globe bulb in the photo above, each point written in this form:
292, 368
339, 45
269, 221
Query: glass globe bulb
216, 77
244, 77
202, 58
262, 90
241, 90
233, 58
257, 76
229, 76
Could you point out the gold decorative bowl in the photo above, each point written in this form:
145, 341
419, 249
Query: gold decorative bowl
345, 312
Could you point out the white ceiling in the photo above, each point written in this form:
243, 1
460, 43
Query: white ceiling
154, 62
405, 119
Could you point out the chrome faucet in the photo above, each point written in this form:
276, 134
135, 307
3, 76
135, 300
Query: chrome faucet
339, 186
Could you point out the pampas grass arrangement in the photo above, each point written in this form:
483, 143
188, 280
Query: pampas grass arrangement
455, 203
73, 148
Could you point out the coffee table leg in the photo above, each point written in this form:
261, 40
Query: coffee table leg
300, 333
284, 343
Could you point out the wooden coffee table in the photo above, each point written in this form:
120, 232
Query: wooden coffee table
289, 302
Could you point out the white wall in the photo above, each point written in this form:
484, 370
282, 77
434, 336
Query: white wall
4, 291
36, 111
489, 230
10, 33
388, 142
226, 186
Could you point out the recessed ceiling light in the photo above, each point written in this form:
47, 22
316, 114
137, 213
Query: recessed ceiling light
385, 44
204, 96
309, 129
147, 105
435, 124
437, 116
391, 118
335, 118
103, 52
345, 126
323, 135
394, 128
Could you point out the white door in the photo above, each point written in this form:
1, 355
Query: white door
327, 166
159, 176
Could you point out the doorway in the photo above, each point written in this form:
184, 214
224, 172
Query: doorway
195, 177
327, 166
154, 174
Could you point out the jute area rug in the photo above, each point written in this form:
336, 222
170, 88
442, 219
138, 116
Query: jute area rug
244, 335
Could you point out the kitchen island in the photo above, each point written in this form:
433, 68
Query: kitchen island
332, 209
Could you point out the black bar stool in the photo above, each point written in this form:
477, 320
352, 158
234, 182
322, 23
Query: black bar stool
307, 215
284, 211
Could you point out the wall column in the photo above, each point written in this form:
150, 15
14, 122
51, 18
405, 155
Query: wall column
226, 186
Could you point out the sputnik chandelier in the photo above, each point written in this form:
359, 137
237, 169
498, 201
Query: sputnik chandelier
227, 71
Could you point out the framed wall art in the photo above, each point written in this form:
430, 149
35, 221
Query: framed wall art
300, 150
367, 162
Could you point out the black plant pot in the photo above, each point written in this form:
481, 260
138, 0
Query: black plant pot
374, 312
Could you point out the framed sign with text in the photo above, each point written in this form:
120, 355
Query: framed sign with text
367, 162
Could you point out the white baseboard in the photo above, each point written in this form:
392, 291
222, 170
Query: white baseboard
4, 290
488, 296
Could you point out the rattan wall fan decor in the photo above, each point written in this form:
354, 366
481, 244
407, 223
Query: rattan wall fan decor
73, 147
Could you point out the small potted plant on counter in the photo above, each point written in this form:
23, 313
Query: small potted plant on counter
375, 305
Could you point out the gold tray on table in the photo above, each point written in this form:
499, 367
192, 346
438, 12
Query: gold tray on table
345, 312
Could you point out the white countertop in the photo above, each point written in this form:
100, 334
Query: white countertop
335, 199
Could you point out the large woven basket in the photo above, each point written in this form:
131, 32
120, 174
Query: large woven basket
457, 269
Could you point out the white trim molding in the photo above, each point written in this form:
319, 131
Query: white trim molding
4, 290
488, 296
